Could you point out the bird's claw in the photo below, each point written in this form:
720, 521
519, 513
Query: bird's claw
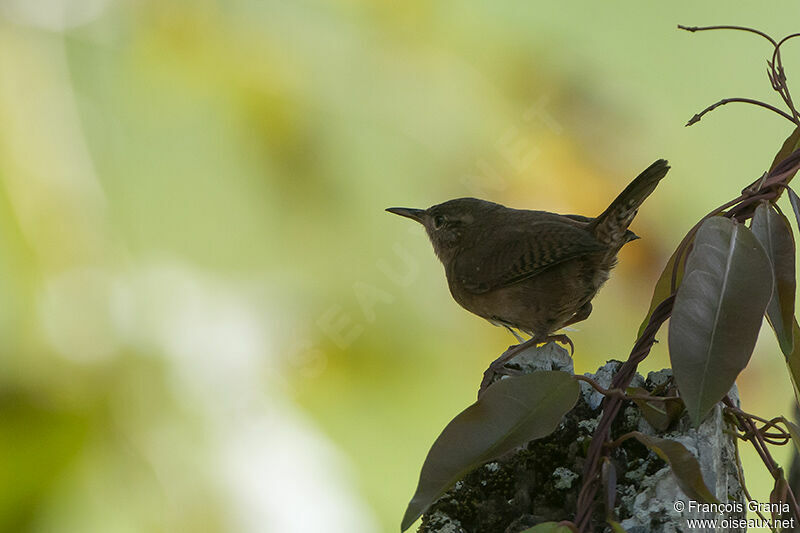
499, 368
496, 369
563, 339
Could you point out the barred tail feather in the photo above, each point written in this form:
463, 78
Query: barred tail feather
611, 226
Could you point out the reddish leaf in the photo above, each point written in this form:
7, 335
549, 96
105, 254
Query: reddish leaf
717, 313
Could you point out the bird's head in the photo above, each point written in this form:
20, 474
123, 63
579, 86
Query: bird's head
448, 222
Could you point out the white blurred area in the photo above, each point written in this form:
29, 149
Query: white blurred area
234, 439
56, 15
273, 469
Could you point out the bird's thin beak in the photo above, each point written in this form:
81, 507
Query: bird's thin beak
413, 214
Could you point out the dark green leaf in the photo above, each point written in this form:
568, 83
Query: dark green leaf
550, 527
510, 413
774, 233
683, 464
717, 313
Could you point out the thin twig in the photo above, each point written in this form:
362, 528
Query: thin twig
760, 446
740, 28
775, 73
611, 407
742, 484
619, 393
696, 118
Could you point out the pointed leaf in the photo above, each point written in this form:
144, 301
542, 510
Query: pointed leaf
662, 290
683, 464
778, 496
774, 233
794, 431
795, 201
717, 313
791, 144
608, 475
793, 361
510, 413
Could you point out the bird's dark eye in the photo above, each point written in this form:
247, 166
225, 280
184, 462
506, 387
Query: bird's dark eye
438, 221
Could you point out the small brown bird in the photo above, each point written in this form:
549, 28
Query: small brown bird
533, 271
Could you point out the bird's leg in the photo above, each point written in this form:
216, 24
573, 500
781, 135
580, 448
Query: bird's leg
580, 315
563, 339
498, 365
498, 368
516, 335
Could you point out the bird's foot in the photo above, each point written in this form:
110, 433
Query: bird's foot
496, 369
516, 335
499, 368
563, 339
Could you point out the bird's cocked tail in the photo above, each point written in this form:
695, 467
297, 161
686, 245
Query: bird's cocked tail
610, 228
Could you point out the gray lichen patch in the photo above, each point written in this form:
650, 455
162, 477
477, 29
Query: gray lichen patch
563, 477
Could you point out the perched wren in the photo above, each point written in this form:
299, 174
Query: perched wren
533, 271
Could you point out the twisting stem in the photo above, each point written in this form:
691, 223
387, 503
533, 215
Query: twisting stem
611, 406
696, 118
741, 480
755, 437
783, 88
619, 393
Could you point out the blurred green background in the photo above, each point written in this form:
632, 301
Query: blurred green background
208, 322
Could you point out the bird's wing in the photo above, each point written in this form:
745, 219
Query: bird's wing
512, 254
